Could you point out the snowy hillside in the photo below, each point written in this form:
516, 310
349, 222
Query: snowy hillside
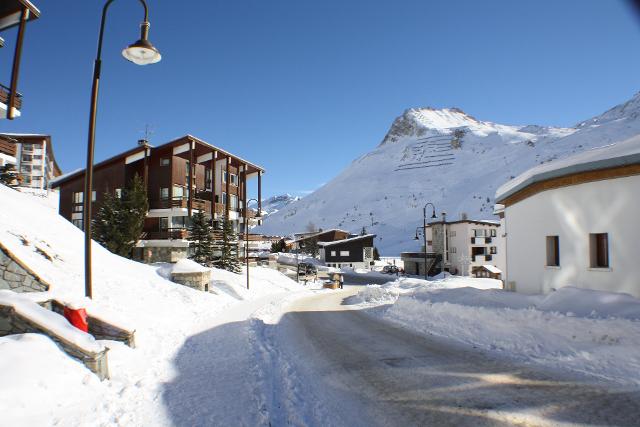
275, 203
446, 157
164, 314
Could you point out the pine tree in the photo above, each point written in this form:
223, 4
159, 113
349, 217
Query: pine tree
9, 176
228, 246
279, 246
200, 238
119, 222
107, 225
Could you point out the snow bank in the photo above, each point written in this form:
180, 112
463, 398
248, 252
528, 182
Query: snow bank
50, 321
592, 332
35, 373
164, 314
188, 266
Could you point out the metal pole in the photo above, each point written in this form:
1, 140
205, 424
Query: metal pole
246, 232
88, 179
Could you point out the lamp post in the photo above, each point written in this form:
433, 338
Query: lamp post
246, 239
424, 232
141, 53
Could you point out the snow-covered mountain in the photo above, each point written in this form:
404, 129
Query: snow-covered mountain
275, 203
446, 157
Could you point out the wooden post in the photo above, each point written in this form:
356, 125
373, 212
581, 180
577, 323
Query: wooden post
146, 170
259, 192
189, 186
228, 197
15, 71
213, 184
245, 205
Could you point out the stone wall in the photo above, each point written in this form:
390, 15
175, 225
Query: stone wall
196, 280
14, 323
14, 276
163, 254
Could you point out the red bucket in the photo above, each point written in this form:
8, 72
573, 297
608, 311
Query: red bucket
77, 317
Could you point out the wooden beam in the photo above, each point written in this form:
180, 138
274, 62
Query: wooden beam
213, 184
189, 186
260, 192
15, 71
228, 197
245, 205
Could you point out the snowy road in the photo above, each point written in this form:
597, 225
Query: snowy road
331, 365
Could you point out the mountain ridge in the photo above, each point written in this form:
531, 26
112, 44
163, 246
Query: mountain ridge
447, 157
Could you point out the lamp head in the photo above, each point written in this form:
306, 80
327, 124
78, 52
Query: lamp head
142, 52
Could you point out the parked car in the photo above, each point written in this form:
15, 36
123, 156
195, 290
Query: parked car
390, 269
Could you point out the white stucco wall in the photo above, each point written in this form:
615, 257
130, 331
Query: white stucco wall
611, 206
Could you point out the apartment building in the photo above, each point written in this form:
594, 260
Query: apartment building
183, 176
13, 13
32, 155
464, 247
574, 222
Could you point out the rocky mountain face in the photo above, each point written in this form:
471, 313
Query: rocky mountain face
448, 158
275, 203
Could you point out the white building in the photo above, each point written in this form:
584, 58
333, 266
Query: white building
575, 222
32, 155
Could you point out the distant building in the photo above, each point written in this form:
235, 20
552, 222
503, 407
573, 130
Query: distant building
470, 248
575, 222
32, 155
13, 13
354, 251
303, 240
183, 176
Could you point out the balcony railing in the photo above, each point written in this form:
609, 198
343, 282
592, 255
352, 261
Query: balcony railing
170, 233
179, 202
4, 97
7, 147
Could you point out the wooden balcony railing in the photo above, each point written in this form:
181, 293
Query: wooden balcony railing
7, 147
4, 97
170, 233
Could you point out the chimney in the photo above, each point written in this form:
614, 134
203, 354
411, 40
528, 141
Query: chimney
143, 142
464, 216
444, 217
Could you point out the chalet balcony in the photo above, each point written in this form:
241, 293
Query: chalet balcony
4, 100
180, 202
481, 258
168, 234
7, 147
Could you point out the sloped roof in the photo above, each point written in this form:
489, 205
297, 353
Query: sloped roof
350, 239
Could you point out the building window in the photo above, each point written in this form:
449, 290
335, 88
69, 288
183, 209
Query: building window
452, 233
118, 193
78, 208
344, 253
180, 221
553, 251
164, 193
333, 253
27, 147
77, 223
164, 223
493, 232
453, 250
93, 196
224, 177
429, 243
224, 198
599, 250
178, 192
234, 179
493, 250
165, 161
234, 202
207, 178
77, 197
479, 232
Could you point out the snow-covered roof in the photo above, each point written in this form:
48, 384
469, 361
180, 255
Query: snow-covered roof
609, 156
492, 268
350, 239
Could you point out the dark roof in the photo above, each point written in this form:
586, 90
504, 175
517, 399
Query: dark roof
139, 148
470, 221
10, 11
350, 239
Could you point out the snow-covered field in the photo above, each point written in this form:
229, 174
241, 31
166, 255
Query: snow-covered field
41, 385
591, 332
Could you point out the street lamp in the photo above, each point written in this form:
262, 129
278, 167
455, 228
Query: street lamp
246, 238
424, 232
142, 53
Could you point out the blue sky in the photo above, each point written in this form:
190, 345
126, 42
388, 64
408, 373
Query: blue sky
304, 87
